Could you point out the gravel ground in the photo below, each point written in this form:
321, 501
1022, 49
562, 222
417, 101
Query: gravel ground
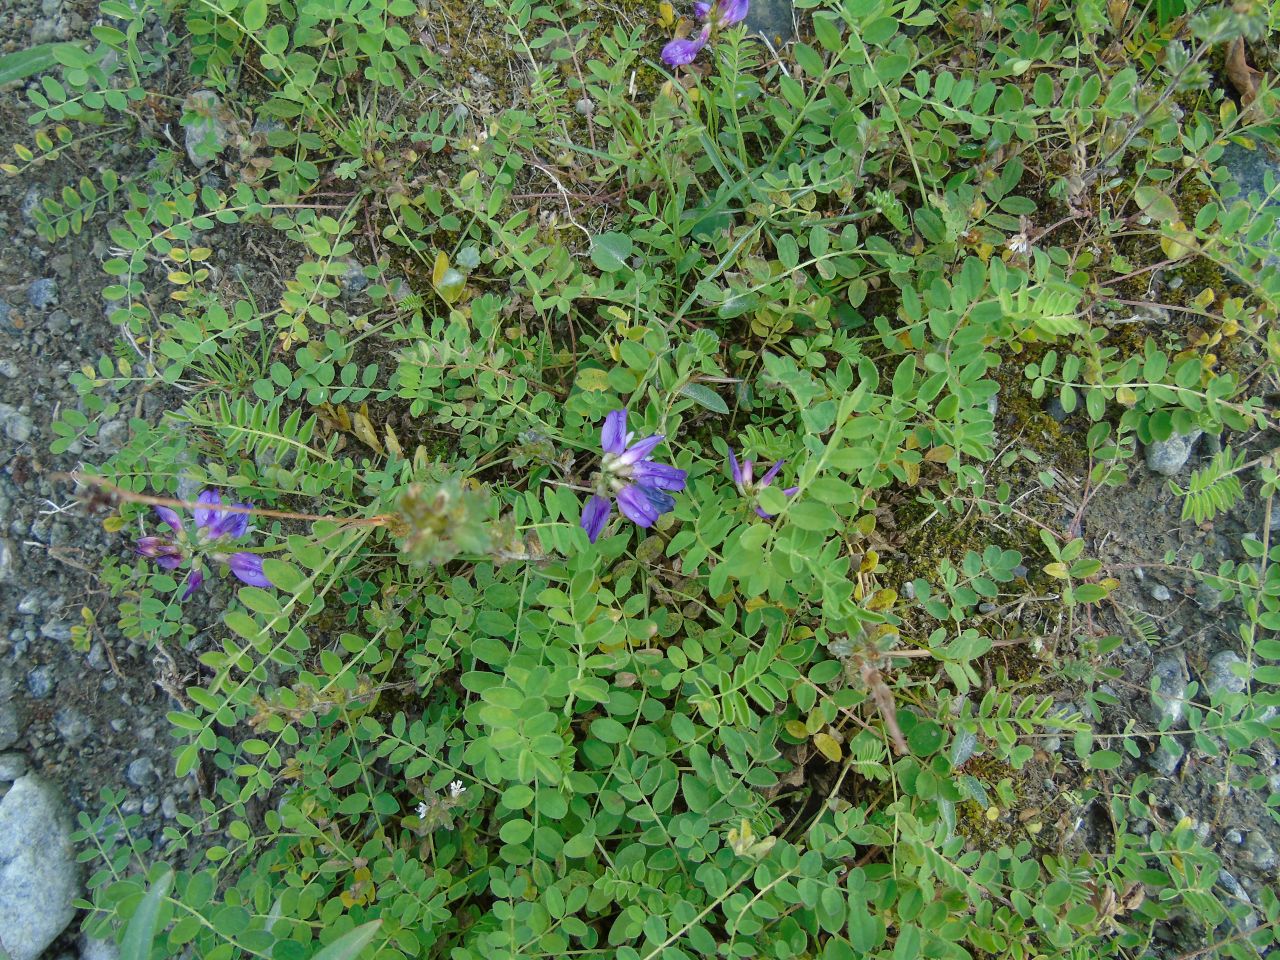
73, 723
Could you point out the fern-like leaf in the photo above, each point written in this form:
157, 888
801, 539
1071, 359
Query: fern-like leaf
1214, 488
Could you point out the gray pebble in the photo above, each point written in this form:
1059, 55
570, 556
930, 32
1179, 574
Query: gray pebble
17, 425
1159, 592
150, 805
30, 201
1054, 408
72, 725
31, 604
1167, 457
353, 281
169, 806
43, 293
140, 771
909, 590
6, 323
8, 368
1221, 678
97, 656
119, 725
112, 436
40, 681
205, 123
1233, 836
56, 630
1259, 851
1170, 701
1168, 754
1207, 597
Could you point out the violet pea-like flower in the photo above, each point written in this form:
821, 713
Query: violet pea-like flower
630, 476
744, 479
715, 15
215, 526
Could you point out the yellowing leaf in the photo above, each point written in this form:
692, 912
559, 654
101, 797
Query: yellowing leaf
592, 380
438, 271
828, 746
1058, 570
883, 599
363, 429
666, 15
393, 443
796, 729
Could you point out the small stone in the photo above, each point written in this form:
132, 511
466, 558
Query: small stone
7, 560
1160, 593
1170, 701
1167, 755
207, 125
8, 368
353, 281
72, 726
56, 630
39, 879
140, 771
119, 725
1222, 678
1207, 597
40, 682
585, 107
97, 656
6, 320
31, 604
169, 806
112, 437
17, 425
1259, 852
1167, 457
1233, 836
57, 323
150, 805
12, 766
30, 203
43, 293
909, 590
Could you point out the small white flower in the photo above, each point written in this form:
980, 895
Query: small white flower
1019, 244
422, 811
456, 789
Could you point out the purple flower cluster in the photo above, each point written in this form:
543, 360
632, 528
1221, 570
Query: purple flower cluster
215, 526
743, 478
714, 16
630, 476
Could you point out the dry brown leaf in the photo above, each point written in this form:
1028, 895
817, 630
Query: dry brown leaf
1242, 76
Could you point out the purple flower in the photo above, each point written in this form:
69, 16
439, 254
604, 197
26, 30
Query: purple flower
628, 475
729, 12
714, 15
215, 525
679, 52
743, 479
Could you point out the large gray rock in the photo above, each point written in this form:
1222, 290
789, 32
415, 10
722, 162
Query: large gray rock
39, 881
